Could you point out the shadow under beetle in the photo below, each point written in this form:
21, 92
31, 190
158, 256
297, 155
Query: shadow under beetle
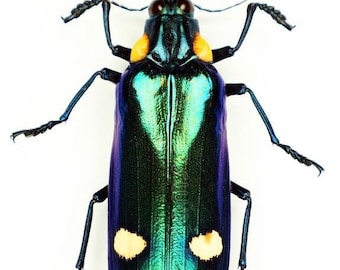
169, 187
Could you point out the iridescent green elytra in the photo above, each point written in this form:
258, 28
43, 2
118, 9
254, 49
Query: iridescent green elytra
173, 170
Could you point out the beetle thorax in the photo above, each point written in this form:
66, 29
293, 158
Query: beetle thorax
170, 45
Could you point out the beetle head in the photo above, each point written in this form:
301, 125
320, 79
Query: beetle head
158, 7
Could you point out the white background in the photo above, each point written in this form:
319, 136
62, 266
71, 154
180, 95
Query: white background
46, 182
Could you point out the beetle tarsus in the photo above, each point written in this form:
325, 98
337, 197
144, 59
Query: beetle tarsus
35, 131
80, 9
274, 13
300, 158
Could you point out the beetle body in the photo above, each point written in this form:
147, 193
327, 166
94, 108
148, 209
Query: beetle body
169, 177
169, 187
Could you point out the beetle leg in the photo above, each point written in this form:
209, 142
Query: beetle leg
225, 52
240, 89
117, 50
105, 74
243, 194
99, 196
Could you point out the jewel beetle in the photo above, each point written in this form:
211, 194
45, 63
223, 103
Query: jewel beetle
169, 187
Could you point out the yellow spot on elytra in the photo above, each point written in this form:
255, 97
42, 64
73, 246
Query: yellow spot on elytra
140, 49
207, 246
202, 49
128, 245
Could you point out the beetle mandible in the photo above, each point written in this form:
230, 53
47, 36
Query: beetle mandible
169, 187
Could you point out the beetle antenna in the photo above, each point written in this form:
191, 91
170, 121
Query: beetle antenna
87, 4
219, 10
127, 8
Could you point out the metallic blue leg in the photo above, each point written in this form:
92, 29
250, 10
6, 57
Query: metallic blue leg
99, 196
243, 194
227, 51
105, 74
240, 89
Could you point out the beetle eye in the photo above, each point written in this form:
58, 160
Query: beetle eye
155, 7
186, 6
